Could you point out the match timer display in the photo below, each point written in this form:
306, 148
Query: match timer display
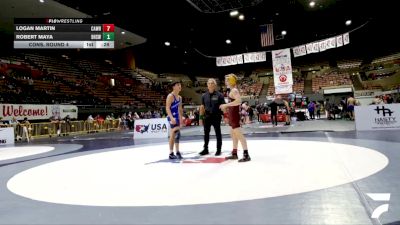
62, 33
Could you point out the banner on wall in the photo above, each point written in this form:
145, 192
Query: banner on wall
37, 112
322, 45
6, 136
251, 57
230, 60
255, 57
377, 117
71, 110
315, 47
346, 39
151, 128
339, 41
283, 89
282, 66
332, 42
300, 50
303, 50
309, 48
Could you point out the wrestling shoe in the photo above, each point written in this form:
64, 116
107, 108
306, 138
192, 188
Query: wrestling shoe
178, 155
172, 156
204, 152
245, 159
233, 156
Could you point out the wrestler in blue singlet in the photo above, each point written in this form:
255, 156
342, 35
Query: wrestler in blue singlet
175, 112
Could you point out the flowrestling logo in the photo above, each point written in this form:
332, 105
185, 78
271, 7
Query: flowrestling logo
380, 197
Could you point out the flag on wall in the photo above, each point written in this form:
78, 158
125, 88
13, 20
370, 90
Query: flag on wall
267, 35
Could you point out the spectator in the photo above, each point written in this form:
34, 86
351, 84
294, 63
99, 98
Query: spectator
26, 128
328, 107
67, 121
318, 109
311, 110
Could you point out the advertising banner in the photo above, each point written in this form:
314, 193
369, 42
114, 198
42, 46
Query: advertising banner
151, 128
282, 66
6, 136
36, 112
377, 117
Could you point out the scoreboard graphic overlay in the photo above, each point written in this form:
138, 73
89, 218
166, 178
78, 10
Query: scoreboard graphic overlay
59, 33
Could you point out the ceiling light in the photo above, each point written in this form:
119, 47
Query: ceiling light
284, 32
167, 43
228, 41
348, 22
241, 17
234, 13
41, 1
123, 32
312, 4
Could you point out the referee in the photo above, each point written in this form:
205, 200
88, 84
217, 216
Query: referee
211, 115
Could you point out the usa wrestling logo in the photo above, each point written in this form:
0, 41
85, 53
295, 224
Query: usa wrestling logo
142, 128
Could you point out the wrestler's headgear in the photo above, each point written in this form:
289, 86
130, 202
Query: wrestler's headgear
232, 79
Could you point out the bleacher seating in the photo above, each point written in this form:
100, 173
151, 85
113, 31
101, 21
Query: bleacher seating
348, 64
79, 81
331, 79
298, 85
250, 88
387, 59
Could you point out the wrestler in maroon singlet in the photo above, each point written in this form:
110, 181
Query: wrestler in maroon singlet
234, 115
232, 109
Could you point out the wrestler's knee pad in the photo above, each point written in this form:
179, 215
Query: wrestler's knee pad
177, 136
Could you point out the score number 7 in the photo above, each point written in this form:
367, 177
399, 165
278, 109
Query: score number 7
108, 27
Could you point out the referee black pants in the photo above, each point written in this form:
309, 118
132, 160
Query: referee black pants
216, 123
274, 119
